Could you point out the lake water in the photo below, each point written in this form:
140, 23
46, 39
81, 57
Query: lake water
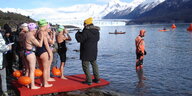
167, 65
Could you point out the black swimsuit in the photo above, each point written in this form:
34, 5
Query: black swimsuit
40, 50
62, 49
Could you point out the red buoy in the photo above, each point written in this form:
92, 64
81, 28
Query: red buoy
173, 26
189, 28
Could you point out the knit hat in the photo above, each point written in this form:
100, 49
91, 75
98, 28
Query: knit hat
89, 21
32, 26
42, 22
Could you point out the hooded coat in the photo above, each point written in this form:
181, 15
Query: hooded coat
3, 48
88, 40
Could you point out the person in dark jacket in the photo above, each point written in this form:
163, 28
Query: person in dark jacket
88, 40
8, 37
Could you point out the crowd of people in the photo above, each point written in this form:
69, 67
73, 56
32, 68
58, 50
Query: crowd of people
33, 46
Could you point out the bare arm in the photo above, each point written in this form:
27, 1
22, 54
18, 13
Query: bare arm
68, 36
36, 42
142, 46
51, 39
47, 44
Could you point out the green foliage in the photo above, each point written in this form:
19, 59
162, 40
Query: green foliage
13, 19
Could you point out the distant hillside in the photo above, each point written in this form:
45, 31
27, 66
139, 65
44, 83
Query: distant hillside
13, 19
170, 11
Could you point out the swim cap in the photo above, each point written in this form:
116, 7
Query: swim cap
89, 21
24, 25
48, 26
60, 29
32, 26
61, 26
42, 22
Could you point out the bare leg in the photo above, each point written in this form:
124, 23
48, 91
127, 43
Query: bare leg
32, 61
26, 67
140, 77
41, 68
49, 69
140, 74
44, 62
62, 70
25, 64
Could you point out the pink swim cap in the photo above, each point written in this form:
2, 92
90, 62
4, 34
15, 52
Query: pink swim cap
32, 26
48, 26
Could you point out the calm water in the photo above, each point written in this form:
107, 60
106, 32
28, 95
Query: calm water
167, 66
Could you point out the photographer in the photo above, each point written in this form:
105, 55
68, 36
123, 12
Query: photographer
88, 40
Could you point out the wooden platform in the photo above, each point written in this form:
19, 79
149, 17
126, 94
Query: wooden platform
74, 82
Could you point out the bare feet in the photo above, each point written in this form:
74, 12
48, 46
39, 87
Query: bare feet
51, 79
41, 85
48, 85
35, 87
62, 77
27, 86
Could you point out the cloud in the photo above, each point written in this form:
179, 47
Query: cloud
103, 0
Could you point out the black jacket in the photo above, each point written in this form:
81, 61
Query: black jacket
88, 39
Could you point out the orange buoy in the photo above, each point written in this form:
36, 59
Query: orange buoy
189, 28
24, 80
17, 73
173, 26
56, 71
38, 73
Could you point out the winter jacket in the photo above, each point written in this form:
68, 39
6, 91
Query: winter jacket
3, 48
88, 39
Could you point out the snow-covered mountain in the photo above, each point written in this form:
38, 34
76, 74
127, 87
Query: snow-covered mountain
76, 12
115, 8
116, 14
58, 15
136, 8
145, 6
169, 11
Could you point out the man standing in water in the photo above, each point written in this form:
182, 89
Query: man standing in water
88, 39
140, 52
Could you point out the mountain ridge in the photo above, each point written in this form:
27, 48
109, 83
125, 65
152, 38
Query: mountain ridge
170, 11
75, 12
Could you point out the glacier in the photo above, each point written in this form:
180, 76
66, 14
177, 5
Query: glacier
77, 13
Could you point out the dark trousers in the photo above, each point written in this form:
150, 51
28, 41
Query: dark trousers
9, 63
85, 65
